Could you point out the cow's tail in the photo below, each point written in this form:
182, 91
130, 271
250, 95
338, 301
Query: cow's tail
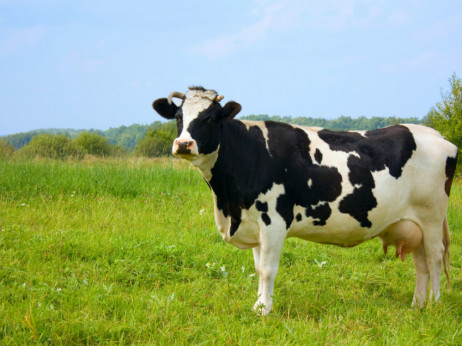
446, 256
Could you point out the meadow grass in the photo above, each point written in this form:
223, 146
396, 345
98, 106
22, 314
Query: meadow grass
126, 251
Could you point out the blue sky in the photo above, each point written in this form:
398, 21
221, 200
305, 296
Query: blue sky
100, 64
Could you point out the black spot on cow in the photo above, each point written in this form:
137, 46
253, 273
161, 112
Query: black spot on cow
235, 213
298, 217
451, 163
318, 156
266, 219
320, 213
262, 206
374, 151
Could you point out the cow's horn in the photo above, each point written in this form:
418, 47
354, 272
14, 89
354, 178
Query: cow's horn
175, 94
219, 98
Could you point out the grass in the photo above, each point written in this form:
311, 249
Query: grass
121, 251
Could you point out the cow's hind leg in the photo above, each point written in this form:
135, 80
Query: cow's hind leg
422, 276
434, 253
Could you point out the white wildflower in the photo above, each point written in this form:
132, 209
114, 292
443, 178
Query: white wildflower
223, 271
201, 211
320, 264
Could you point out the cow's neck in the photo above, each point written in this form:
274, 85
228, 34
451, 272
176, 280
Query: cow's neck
205, 163
235, 177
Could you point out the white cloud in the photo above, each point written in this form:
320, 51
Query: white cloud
282, 15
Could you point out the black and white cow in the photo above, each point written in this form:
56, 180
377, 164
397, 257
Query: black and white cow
272, 180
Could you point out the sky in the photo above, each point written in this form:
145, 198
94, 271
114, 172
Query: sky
100, 64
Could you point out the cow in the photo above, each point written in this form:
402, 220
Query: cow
272, 180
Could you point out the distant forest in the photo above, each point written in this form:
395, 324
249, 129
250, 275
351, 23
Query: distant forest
128, 137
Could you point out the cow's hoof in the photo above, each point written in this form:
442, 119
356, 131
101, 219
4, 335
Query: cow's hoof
261, 308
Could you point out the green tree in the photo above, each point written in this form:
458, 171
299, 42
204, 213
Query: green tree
93, 143
446, 116
158, 141
52, 146
6, 150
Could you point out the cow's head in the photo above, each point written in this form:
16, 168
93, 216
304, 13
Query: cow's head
199, 118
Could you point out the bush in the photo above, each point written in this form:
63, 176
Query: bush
158, 141
6, 150
154, 147
53, 147
94, 144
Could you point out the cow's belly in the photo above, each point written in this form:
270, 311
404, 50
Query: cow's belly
344, 230
347, 235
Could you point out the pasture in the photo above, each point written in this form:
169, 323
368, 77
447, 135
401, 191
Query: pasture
127, 251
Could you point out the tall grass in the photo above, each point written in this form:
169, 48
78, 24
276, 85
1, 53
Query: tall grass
127, 251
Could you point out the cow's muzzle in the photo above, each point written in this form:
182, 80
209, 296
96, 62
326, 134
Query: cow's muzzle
184, 147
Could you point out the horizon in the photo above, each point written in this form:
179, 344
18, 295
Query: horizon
100, 65
162, 120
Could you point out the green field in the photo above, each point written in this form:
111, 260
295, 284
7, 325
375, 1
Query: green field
127, 252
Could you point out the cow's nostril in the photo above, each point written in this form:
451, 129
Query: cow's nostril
183, 146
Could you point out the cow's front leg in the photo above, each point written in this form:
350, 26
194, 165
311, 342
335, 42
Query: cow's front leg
256, 260
266, 258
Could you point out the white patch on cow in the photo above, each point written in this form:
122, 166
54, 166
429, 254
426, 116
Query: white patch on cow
310, 183
362, 133
205, 163
196, 101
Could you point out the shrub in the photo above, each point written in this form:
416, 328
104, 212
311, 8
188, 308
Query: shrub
158, 141
52, 146
94, 144
153, 147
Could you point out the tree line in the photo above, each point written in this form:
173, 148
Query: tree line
155, 140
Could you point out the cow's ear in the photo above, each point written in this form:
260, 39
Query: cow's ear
230, 110
164, 108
